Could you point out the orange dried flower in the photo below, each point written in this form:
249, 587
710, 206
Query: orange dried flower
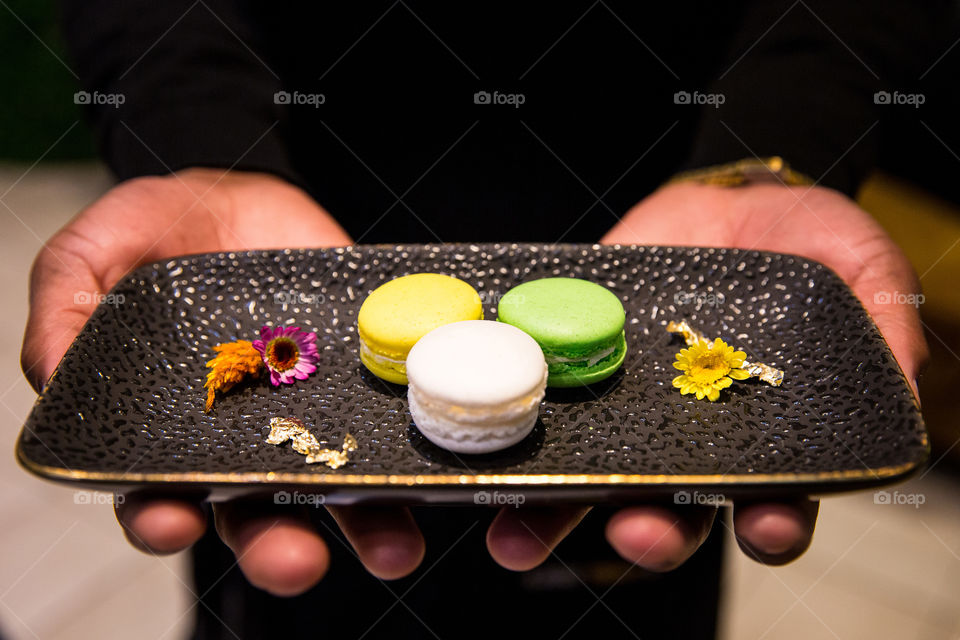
234, 362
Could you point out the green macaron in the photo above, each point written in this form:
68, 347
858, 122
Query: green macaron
577, 323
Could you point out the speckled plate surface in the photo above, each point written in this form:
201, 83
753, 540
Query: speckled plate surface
125, 407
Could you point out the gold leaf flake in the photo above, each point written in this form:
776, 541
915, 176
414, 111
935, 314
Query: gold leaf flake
304, 442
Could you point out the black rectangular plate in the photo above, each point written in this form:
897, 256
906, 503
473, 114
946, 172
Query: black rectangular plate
125, 407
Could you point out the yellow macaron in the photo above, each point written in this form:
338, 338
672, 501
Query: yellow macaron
397, 314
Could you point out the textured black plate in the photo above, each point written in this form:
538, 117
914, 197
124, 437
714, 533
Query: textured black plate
125, 406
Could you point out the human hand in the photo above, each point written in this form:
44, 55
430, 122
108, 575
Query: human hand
196, 211
817, 223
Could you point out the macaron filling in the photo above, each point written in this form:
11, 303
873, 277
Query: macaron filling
380, 359
368, 356
454, 420
506, 413
558, 363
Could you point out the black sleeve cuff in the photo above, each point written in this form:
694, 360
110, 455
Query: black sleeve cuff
161, 142
800, 82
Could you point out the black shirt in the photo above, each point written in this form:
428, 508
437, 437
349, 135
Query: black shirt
415, 122
398, 80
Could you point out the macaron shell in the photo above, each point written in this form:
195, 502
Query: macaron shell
476, 386
398, 313
568, 317
588, 375
476, 363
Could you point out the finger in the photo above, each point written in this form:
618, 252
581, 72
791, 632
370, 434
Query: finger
521, 538
775, 533
659, 538
63, 294
307, 223
890, 292
386, 539
160, 525
277, 547
908, 346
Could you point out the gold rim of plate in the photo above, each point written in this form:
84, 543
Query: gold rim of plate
459, 480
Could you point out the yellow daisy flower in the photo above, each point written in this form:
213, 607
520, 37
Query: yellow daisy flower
707, 368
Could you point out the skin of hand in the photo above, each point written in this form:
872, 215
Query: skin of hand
202, 210
816, 223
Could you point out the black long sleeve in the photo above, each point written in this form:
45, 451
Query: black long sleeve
598, 122
194, 91
799, 80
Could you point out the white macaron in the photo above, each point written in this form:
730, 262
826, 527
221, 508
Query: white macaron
476, 385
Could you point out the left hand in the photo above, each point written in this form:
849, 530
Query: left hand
817, 223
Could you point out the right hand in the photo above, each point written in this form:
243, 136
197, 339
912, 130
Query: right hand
197, 211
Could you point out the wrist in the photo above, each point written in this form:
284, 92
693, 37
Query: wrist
235, 206
771, 170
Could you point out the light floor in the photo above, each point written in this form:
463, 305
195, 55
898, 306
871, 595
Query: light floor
874, 571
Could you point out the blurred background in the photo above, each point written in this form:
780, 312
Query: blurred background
874, 570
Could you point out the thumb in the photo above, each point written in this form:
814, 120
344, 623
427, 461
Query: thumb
63, 294
890, 292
